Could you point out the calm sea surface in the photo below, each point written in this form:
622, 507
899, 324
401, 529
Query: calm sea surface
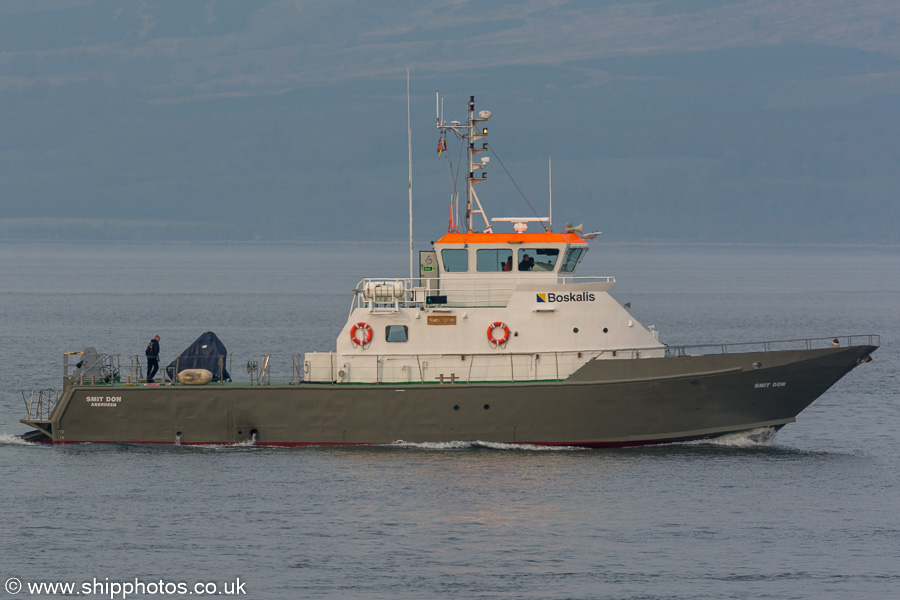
812, 513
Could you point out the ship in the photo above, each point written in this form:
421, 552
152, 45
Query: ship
496, 339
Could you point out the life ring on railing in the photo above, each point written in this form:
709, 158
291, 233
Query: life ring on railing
504, 337
367, 334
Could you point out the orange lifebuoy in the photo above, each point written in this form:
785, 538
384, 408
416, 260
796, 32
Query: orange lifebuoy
367, 337
503, 338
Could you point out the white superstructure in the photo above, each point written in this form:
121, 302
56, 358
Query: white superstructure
486, 307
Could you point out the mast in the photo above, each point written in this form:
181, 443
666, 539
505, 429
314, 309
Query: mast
471, 132
476, 132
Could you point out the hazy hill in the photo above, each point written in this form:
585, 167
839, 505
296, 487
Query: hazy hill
692, 120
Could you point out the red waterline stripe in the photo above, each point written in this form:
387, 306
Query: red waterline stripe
301, 444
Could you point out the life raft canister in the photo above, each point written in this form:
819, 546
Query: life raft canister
504, 336
367, 334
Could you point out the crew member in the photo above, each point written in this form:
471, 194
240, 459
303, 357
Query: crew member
526, 264
152, 353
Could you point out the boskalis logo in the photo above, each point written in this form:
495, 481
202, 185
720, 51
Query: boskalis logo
570, 297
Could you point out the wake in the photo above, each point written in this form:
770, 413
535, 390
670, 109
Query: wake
8, 439
479, 445
761, 436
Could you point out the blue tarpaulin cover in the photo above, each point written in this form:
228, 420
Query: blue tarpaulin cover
204, 353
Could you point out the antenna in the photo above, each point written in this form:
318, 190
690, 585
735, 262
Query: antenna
550, 219
409, 144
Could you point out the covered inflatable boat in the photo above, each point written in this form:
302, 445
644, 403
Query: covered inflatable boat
207, 352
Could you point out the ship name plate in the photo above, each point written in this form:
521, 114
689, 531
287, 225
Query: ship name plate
770, 384
442, 319
103, 400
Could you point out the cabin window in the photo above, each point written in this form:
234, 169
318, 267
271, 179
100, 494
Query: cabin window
538, 259
456, 260
573, 255
494, 259
396, 333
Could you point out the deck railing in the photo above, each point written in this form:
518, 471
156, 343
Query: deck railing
776, 345
490, 289
132, 369
521, 366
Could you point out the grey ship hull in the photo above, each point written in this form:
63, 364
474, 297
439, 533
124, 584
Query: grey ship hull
606, 403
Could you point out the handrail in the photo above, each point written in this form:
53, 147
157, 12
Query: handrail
493, 277
487, 289
298, 375
92, 365
296, 368
110, 371
868, 339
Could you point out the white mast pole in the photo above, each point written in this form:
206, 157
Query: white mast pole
409, 144
550, 218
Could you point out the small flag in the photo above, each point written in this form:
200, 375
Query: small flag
442, 145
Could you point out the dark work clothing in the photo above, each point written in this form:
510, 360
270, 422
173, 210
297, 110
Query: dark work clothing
152, 367
152, 353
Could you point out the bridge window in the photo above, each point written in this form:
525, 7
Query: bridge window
494, 259
456, 260
538, 259
573, 255
396, 333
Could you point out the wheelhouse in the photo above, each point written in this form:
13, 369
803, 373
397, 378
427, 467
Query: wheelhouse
502, 255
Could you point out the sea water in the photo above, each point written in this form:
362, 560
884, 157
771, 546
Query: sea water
811, 512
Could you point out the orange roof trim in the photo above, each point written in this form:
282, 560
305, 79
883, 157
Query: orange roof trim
505, 238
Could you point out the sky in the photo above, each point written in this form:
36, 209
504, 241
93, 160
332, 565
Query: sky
694, 121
